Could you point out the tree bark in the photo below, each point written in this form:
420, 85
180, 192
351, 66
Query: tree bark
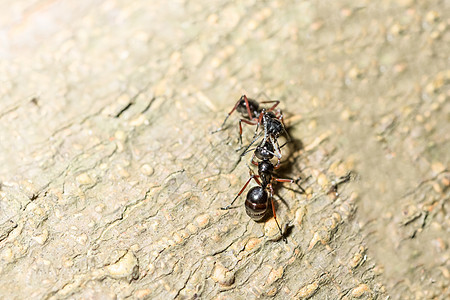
111, 182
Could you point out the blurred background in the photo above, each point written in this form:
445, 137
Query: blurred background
111, 183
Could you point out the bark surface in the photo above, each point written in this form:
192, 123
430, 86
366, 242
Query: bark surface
111, 183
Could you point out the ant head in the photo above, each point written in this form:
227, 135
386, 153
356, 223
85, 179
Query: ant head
264, 151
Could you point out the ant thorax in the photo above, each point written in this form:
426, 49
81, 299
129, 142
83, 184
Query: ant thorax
265, 170
272, 125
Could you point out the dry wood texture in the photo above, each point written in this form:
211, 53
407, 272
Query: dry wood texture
111, 183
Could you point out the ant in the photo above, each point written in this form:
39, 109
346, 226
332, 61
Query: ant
257, 202
273, 127
265, 151
251, 112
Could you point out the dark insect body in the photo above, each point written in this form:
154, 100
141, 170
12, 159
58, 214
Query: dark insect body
272, 127
250, 111
269, 127
258, 197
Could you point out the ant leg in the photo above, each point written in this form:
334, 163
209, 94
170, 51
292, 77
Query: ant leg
253, 158
278, 163
240, 127
255, 136
274, 214
340, 180
283, 180
250, 171
288, 137
254, 140
248, 107
273, 106
261, 114
249, 150
277, 147
299, 186
259, 119
268, 101
226, 118
291, 181
255, 177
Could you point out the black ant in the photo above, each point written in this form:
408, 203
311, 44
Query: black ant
273, 127
250, 111
265, 151
257, 201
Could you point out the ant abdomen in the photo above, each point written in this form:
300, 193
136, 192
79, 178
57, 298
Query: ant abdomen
252, 104
256, 203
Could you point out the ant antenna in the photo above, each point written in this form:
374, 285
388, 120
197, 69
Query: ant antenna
254, 140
